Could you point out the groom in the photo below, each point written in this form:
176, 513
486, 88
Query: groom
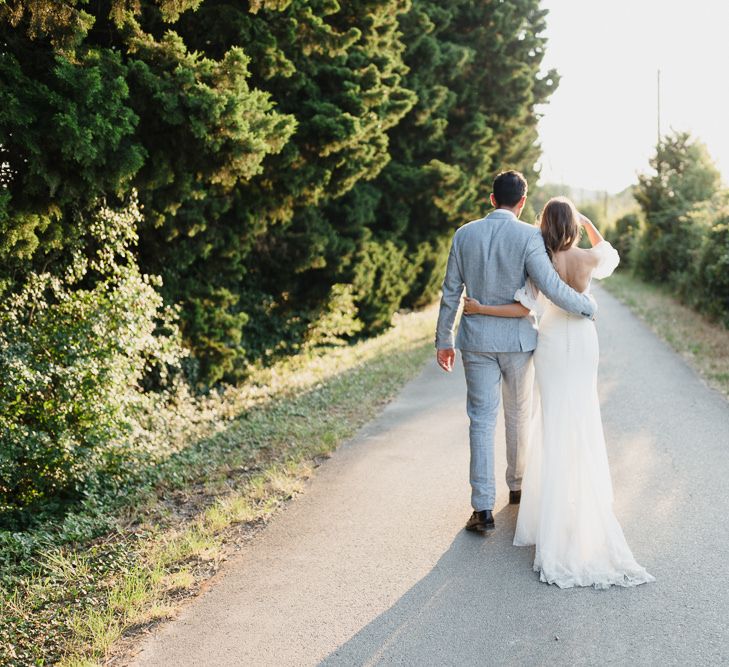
492, 259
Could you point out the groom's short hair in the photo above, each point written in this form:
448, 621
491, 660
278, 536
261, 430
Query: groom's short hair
509, 188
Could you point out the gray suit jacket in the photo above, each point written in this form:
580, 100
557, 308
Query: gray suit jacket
492, 258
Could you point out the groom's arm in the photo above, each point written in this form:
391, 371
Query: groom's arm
452, 290
542, 272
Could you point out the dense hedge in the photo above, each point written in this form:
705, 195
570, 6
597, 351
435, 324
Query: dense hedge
290, 156
240, 179
75, 351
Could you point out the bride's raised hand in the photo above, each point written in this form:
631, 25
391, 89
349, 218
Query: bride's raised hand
470, 306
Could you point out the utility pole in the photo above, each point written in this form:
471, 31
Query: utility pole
658, 105
658, 108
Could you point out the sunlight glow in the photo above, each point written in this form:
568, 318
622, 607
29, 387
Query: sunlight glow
600, 127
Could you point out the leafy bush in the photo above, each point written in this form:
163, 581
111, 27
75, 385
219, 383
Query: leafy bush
623, 235
684, 241
705, 283
685, 177
666, 246
713, 270
73, 351
337, 321
429, 259
383, 276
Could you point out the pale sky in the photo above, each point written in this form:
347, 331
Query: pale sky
600, 126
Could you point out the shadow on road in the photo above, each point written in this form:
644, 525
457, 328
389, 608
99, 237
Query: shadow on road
445, 608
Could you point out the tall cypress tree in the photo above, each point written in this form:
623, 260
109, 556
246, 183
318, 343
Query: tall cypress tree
337, 69
294, 158
475, 68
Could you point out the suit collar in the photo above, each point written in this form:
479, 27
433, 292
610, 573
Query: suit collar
502, 213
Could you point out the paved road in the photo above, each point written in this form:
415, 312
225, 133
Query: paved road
371, 565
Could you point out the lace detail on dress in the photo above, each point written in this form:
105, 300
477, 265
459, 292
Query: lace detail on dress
630, 574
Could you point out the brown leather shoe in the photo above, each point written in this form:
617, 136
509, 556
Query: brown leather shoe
481, 521
514, 497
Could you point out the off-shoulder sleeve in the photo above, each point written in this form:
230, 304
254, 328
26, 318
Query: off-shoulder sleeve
608, 260
530, 297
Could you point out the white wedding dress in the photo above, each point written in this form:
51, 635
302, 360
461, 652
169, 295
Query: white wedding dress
567, 496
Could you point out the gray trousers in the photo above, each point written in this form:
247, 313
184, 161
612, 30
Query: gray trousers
486, 373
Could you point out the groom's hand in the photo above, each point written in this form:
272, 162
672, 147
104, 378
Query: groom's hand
446, 359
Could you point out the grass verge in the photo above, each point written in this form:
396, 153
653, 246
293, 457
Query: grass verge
81, 602
703, 343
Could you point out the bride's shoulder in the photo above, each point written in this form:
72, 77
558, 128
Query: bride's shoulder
576, 256
599, 261
606, 259
586, 257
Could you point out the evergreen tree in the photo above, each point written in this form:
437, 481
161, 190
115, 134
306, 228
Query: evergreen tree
685, 176
337, 69
66, 139
93, 105
475, 69
298, 161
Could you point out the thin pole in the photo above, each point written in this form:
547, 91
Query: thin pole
658, 104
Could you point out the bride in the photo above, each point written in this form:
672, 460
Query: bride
566, 505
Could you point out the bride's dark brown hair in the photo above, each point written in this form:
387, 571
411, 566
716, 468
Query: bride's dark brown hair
558, 222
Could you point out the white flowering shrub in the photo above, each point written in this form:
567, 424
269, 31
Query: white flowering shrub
73, 351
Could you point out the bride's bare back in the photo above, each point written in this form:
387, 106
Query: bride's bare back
575, 266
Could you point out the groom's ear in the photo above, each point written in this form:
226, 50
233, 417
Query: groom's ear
494, 203
520, 206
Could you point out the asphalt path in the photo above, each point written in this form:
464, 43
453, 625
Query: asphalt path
371, 565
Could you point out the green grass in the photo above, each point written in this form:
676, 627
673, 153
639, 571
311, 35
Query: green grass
703, 343
233, 464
